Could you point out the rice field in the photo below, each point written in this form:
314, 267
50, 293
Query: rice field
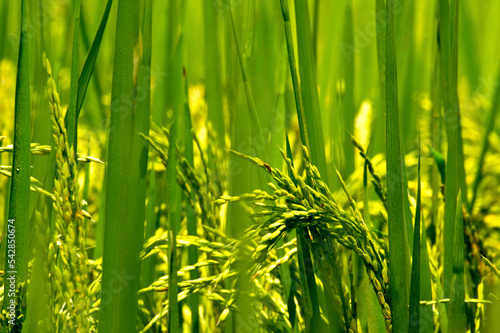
249, 166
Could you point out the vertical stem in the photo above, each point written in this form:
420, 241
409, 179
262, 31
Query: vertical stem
17, 227
348, 111
118, 311
191, 216
213, 73
380, 14
457, 313
454, 161
309, 87
299, 103
252, 108
414, 313
485, 145
75, 69
173, 202
398, 244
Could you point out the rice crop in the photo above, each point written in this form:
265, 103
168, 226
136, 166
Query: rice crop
249, 166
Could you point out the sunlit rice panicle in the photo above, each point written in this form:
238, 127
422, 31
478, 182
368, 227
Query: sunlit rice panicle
307, 206
67, 257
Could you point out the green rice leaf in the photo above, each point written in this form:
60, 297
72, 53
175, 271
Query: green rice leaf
441, 164
88, 66
414, 312
455, 177
134, 226
398, 244
118, 311
457, 317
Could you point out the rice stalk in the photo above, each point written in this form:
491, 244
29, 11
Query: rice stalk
426, 314
252, 109
308, 87
213, 73
486, 143
72, 119
304, 82
173, 200
118, 305
454, 165
17, 253
348, 107
414, 306
398, 244
299, 103
457, 313
134, 225
191, 217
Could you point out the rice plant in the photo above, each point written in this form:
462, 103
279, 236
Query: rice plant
249, 166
